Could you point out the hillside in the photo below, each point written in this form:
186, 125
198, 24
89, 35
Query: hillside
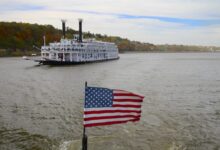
17, 39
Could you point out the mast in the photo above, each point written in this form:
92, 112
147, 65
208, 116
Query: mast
44, 37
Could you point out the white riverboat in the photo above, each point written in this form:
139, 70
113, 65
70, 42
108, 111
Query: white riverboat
77, 50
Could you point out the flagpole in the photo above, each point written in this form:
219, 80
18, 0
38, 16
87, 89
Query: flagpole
84, 140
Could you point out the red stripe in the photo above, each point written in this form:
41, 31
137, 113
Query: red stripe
127, 94
128, 100
130, 106
111, 117
111, 111
109, 123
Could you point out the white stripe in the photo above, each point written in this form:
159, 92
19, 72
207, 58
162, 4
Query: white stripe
107, 120
127, 97
119, 91
111, 108
109, 114
127, 103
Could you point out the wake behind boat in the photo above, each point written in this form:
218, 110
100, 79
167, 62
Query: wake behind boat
77, 50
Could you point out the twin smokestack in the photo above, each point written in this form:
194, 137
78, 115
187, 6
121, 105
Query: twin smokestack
80, 30
64, 29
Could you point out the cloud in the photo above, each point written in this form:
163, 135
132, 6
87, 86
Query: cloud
186, 21
13, 6
196, 9
155, 21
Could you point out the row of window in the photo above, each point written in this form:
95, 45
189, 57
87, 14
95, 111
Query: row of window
45, 54
74, 47
67, 55
85, 50
84, 55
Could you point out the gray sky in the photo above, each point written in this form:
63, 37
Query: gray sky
191, 22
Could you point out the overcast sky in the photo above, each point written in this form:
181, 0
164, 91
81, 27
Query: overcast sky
191, 22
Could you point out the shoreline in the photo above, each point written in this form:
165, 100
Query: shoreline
127, 52
124, 52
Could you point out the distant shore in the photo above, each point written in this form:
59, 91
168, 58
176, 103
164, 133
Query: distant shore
19, 53
207, 51
17, 39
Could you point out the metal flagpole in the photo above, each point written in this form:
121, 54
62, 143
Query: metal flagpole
84, 140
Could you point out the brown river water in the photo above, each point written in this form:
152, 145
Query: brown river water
41, 107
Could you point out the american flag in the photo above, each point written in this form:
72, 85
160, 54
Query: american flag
108, 106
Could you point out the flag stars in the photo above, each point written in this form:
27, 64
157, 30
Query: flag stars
98, 97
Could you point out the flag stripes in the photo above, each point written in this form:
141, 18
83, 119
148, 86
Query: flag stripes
109, 114
126, 106
109, 122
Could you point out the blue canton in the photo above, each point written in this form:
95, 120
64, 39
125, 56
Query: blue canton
98, 97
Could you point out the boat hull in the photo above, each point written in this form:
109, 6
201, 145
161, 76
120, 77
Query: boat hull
54, 62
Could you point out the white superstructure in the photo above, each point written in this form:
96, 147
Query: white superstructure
77, 50
74, 51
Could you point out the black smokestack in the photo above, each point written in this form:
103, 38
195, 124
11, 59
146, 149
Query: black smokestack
80, 30
64, 28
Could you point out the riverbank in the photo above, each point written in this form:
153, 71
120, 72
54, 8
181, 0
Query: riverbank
17, 53
17, 39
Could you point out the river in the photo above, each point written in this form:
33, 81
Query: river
41, 107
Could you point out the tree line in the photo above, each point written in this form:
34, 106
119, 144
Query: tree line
18, 39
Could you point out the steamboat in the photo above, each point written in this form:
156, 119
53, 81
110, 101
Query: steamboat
77, 50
